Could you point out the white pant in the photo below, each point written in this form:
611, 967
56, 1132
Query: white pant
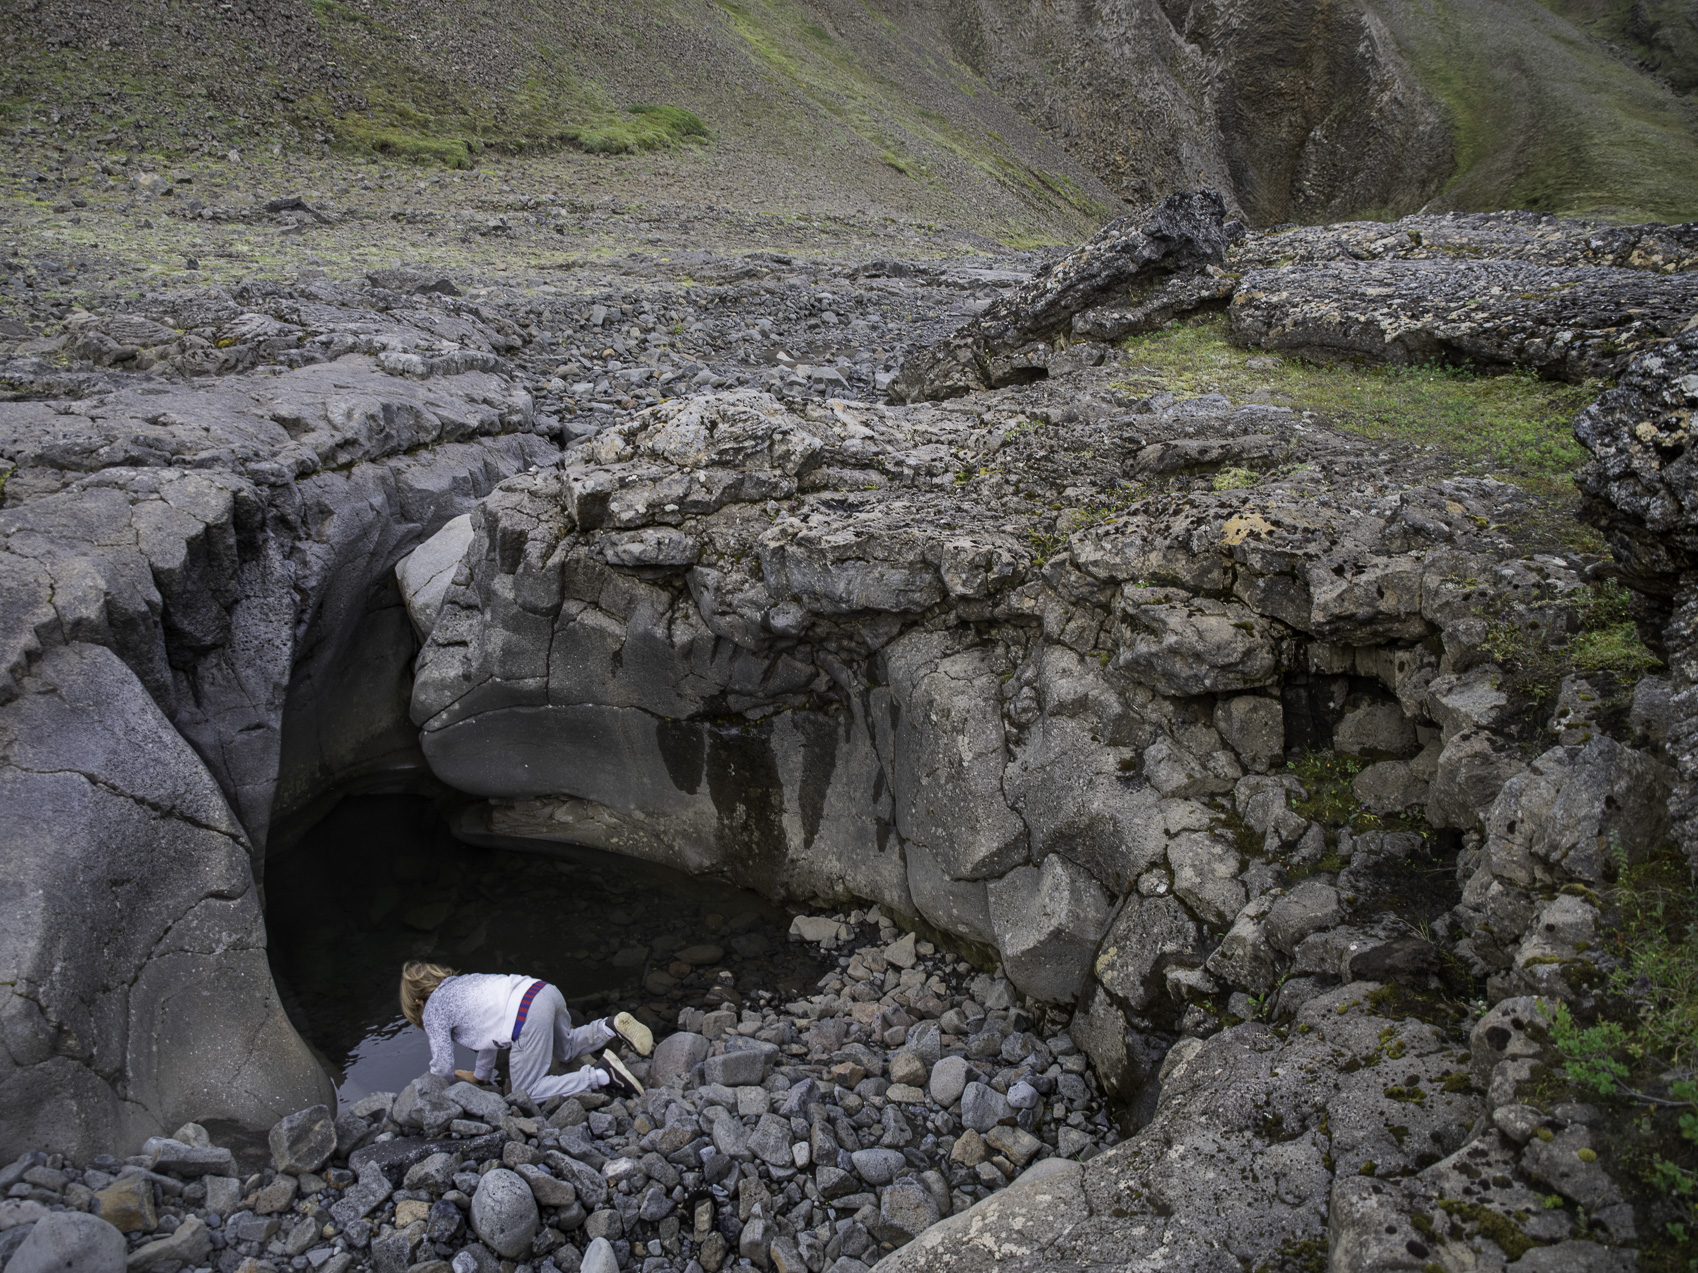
549, 1036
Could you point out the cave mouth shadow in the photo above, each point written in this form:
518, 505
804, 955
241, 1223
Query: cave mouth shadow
380, 879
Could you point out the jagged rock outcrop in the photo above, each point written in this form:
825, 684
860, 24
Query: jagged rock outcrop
1564, 322
1352, 1129
200, 627
1137, 268
1641, 489
1537, 238
839, 653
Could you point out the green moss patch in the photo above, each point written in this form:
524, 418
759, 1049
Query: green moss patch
1509, 423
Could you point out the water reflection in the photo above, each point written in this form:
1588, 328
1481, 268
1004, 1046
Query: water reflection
381, 881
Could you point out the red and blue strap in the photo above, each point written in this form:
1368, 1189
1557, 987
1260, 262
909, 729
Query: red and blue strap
525, 1008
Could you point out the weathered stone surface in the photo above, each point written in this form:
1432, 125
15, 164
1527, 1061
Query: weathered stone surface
1222, 1096
70, 1242
425, 573
1563, 321
676, 1056
1182, 234
1148, 933
213, 571
1048, 920
188, 1244
1310, 906
1205, 870
303, 1141
504, 1213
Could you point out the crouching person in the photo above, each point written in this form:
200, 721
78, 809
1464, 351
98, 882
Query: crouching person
487, 1012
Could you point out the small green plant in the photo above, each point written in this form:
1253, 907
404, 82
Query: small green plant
1589, 1053
1607, 640
1232, 479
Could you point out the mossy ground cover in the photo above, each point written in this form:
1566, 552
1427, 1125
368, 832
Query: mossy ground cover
1510, 423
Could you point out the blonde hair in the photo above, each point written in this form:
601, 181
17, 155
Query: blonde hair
418, 982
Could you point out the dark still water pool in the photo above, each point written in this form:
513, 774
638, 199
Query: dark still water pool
380, 881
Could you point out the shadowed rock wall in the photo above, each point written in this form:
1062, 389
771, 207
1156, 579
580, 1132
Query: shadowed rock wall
197, 584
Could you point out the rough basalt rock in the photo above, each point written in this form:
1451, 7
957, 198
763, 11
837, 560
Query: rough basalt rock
1240, 1159
1533, 237
1641, 490
882, 689
1127, 266
200, 628
1564, 322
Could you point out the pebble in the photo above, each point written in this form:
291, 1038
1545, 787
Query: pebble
783, 1131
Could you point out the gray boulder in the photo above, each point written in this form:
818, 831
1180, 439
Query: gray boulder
949, 1079
878, 1166
906, 1210
70, 1242
425, 573
1205, 876
1308, 907
504, 1213
1048, 921
599, 1258
1148, 933
676, 1056
1182, 234
983, 1107
304, 1140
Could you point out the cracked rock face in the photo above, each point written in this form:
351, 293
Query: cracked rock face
200, 629
1240, 1159
1641, 490
832, 653
1564, 322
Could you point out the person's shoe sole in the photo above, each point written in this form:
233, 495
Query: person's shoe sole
616, 1067
634, 1032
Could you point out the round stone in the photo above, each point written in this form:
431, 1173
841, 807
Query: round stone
72, 1240
700, 956
504, 1213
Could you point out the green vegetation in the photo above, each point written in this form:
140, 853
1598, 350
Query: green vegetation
1640, 1051
1523, 643
846, 81
639, 128
425, 116
1235, 479
1546, 118
1485, 1222
1512, 423
1657, 34
1326, 777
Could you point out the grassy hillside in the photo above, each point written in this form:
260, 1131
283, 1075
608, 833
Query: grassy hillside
1660, 36
1548, 118
802, 106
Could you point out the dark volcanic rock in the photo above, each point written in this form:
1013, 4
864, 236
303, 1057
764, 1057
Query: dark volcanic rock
1127, 264
1641, 488
1566, 323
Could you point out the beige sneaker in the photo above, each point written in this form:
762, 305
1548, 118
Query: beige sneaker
622, 1078
633, 1032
